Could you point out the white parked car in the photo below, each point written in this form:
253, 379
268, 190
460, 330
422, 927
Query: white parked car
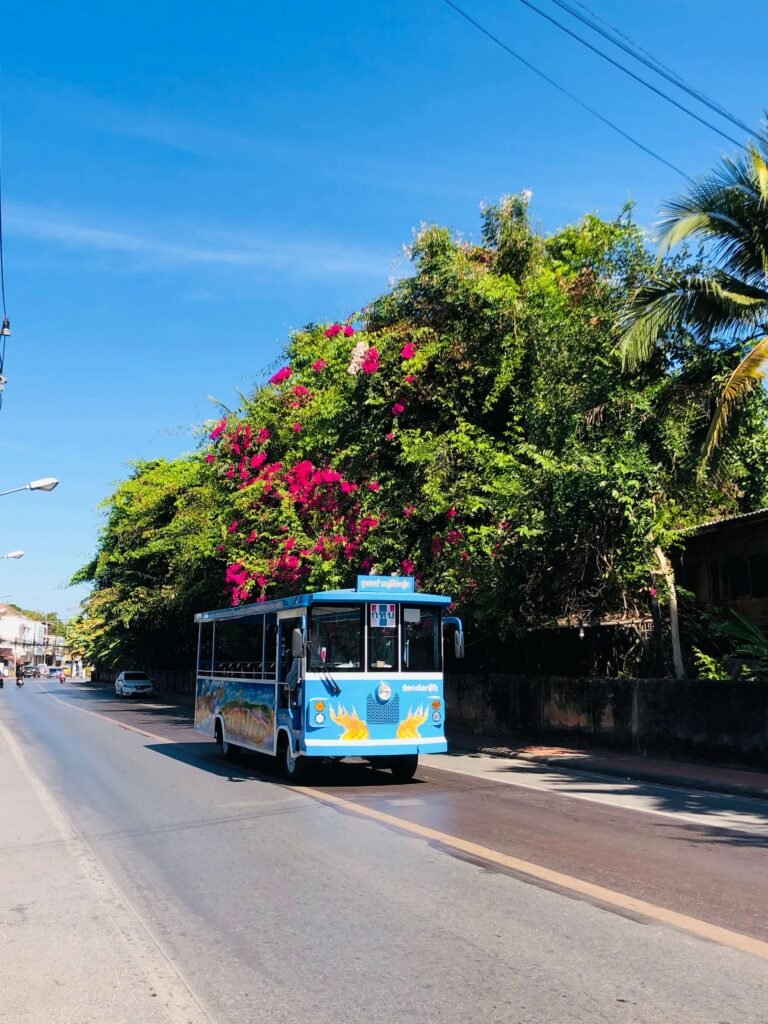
131, 682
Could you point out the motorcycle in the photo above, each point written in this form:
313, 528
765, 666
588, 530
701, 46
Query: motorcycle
20, 680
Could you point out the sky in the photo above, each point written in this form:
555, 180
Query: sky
185, 183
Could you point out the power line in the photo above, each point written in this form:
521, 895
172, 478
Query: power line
628, 71
563, 90
634, 49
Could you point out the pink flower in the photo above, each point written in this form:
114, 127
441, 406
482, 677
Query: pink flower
209, 458
398, 409
319, 365
218, 430
409, 351
290, 542
332, 331
652, 591
390, 436
454, 536
349, 330
282, 374
230, 474
409, 510
451, 512
296, 428
300, 391
407, 566
409, 378
251, 536
371, 362
263, 435
347, 487
233, 526
258, 460
374, 485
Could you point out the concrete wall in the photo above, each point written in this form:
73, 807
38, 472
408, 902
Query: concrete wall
724, 721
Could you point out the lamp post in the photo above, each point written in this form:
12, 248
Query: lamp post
47, 483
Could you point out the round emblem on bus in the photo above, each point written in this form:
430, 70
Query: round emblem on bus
384, 691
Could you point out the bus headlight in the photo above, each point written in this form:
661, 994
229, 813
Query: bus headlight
384, 692
435, 716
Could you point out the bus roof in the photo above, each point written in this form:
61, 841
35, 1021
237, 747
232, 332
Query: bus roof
387, 589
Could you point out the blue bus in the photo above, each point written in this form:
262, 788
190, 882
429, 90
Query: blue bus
333, 674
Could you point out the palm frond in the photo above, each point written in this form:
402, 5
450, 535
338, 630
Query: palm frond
760, 172
750, 371
707, 303
727, 208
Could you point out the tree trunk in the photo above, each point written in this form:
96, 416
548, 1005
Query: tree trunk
674, 625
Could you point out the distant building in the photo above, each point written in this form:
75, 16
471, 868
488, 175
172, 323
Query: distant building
725, 564
27, 641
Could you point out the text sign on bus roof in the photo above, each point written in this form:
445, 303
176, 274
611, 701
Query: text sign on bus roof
393, 584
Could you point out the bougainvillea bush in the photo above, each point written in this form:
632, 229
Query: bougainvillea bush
473, 427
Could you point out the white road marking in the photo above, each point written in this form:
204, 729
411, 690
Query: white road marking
612, 792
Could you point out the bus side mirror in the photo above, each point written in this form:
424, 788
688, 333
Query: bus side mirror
297, 643
458, 643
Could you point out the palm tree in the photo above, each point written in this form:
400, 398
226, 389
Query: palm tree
726, 304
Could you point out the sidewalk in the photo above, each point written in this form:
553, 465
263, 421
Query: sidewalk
685, 774
73, 950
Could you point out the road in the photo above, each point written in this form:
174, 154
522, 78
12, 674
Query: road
155, 881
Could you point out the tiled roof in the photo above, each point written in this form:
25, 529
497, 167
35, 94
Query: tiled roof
757, 516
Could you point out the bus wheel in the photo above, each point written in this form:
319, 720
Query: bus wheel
293, 768
404, 767
229, 750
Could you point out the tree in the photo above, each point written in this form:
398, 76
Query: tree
155, 566
725, 303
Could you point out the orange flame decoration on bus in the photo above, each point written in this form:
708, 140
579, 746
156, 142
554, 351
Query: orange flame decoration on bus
354, 728
410, 725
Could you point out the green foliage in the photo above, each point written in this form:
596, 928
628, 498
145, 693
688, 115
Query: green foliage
156, 565
709, 667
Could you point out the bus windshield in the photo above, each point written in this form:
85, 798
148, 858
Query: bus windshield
422, 647
336, 638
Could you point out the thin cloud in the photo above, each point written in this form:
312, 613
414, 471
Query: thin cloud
144, 250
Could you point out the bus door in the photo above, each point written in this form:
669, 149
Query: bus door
289, 671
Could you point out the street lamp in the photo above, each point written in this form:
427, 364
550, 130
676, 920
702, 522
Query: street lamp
13, 554
47, 483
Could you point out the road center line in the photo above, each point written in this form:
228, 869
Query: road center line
567, 883
692, 925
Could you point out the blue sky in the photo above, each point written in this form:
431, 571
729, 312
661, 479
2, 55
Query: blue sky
185, 183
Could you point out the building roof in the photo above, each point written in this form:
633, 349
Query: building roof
758, 516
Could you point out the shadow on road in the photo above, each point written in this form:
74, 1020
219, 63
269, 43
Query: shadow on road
264, 768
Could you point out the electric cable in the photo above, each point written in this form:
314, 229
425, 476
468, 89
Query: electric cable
566, 92
634, 49
628, 71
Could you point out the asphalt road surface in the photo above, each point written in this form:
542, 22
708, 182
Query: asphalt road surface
483, 891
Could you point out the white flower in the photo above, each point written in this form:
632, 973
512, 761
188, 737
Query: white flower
526, 195
358, 358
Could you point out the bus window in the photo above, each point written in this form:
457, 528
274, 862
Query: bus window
421, 639
336, 638
239, 647
382, 648
205, 651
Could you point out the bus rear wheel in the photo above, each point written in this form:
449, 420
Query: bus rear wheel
229, 750
293, 768
404, 767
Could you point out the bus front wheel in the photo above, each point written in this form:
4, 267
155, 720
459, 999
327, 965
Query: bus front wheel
229, 750
404, 767
294, 768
